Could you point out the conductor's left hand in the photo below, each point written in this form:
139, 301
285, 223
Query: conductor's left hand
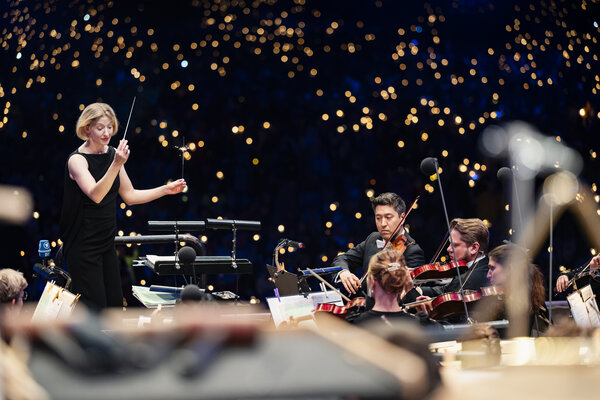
176, 186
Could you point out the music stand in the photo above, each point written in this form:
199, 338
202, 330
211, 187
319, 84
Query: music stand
285, 282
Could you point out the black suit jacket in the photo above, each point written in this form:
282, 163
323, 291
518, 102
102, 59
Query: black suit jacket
359, 256
477, 278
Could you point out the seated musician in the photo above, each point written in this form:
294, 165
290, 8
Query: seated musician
500, 267
470, 238
389, 209
563, 281
387, 280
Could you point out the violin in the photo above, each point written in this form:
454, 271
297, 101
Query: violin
438, 271
355, 305
447, 304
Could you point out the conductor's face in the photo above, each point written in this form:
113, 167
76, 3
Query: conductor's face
386, 219
100, 131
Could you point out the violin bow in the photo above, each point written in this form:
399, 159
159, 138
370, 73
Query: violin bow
401, 222
329, 285
440, 249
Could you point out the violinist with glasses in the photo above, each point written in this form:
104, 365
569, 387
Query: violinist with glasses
389, 210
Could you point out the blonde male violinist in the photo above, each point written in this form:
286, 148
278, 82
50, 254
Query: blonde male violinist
470, 239
389, 209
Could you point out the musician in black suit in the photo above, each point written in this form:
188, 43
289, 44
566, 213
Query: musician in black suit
389, 208
563, 281
470, 237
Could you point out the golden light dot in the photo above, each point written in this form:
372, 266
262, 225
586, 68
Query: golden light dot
266, 124
201, 143
424, 136
204, 239
377, 80
235, 129
370, 193
462, 168
129, 213
256, 237
471, 183
22, 253
333, 206
440, 122
123, 206
457, 120
582, 112
36, 214
328, 224
325, 117
220, 174
61, 128
400, 143
214, 199
358, 215
255, 161
281, 228
175, 133
249, 140
319, 92
324, 258
339, 113
444, 153
98, 82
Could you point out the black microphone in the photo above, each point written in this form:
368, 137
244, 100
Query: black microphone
186, 255
291, 243
505, 175
44, 270
192, 293
429, 166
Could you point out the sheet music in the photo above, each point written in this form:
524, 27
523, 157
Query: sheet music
296, 306
584, 308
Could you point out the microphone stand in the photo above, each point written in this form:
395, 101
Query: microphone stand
462, 292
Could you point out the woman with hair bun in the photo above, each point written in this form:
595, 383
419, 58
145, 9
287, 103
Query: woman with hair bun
94, 175
388, 280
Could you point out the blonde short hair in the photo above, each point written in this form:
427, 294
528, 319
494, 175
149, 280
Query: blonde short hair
11, 284
91, 114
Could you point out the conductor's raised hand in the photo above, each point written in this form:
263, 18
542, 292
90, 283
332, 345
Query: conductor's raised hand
122, 153
175, 186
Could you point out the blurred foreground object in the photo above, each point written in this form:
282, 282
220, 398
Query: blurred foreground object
202, 352
17, 204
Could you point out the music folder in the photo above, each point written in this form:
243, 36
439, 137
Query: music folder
285, 282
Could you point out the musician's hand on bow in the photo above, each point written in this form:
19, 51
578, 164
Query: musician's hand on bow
562, 283
175, 186
350, 281
595, 263
425, 307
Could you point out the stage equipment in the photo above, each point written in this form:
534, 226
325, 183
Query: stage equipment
430, 167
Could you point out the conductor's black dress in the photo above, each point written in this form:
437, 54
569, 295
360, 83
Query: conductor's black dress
88, 233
